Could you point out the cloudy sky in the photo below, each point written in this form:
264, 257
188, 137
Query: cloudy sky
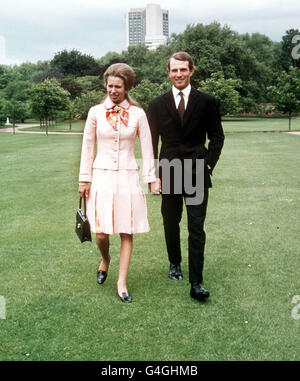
32, 30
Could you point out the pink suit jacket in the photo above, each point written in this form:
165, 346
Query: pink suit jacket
115, 148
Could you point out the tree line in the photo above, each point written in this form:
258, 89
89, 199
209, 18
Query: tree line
248, 74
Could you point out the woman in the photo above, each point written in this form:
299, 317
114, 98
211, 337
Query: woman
115, 200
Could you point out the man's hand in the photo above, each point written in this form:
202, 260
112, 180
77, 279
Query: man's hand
84, 188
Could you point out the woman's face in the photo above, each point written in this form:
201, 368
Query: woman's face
115, 89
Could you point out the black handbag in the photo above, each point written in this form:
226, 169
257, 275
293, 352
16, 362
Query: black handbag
82, 228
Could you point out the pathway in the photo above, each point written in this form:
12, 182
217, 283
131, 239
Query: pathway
21, 129
294, 132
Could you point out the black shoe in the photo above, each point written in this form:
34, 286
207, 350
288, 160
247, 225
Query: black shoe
126, 298
198, 291
101, 276
175, 272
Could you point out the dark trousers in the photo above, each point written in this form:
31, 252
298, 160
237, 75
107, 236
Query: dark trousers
171, 209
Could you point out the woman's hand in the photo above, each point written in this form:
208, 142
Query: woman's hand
84, 188
155, 187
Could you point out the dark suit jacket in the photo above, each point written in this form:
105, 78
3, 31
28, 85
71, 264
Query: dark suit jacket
187, 140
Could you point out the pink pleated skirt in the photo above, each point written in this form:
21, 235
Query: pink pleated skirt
117, 203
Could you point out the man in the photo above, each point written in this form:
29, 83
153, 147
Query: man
183, 118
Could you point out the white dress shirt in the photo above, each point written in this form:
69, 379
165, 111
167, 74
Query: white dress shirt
186, 93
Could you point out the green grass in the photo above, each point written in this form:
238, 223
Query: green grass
259, 124
77, 126
229, 124
55, 310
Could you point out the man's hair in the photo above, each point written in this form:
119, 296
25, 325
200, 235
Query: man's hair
182, 56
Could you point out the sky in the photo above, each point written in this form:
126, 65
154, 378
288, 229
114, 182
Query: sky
32, 30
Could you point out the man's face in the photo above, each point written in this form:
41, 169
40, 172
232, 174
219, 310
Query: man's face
180, 73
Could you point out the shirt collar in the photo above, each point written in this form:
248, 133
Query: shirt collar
186, 91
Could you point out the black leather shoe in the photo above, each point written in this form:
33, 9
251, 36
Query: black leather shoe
125, 298
198, 291
101, 276
175, 272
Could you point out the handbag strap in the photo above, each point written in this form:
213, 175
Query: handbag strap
84, 202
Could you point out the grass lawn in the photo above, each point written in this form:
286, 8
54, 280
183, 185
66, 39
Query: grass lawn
229, 124
259, 124
55, 310
77, 126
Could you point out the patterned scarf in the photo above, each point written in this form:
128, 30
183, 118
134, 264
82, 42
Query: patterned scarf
115, 113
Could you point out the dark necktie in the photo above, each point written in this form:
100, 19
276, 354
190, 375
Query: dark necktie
181, 107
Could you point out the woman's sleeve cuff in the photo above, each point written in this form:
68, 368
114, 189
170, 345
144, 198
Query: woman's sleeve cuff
85, 178
149, 179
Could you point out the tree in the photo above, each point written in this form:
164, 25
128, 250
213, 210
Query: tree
224, 91
15, 110
148, 64
89, 83
2, 110
72, 86
47, 98
215, 48
265, 52
286, 93
83, 103
73, 63
138, 58
261, 46
252, 96
146, 91
285, 58
18, 90
5, 76
71, 113
24, 71
109, 57
42, 72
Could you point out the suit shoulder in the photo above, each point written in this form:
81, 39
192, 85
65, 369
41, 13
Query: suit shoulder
137, 110
158, 99
96, 107
203, 95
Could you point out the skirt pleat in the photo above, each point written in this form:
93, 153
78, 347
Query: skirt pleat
117, 203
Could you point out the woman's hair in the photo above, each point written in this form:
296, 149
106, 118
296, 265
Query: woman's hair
182, 56
124, 72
